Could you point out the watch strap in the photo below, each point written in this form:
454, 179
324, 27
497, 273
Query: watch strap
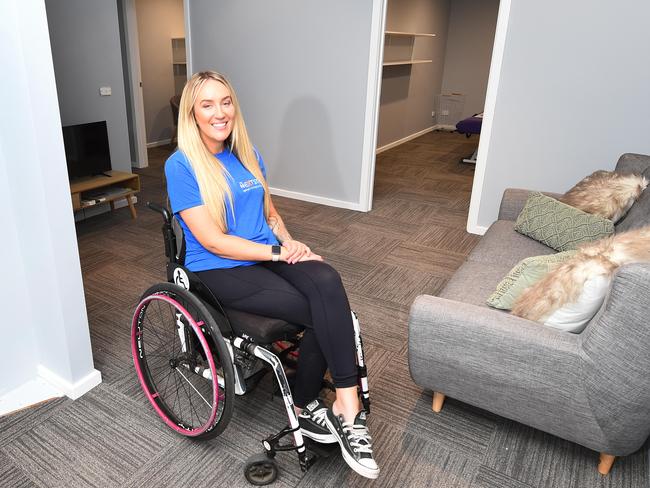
275, 253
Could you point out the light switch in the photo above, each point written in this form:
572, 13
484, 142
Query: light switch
105, 91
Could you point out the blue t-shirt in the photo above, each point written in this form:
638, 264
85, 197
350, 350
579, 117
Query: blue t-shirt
248, 221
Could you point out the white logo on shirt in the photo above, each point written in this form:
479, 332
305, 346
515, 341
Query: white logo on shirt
248, 185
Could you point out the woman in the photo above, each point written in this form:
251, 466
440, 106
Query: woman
217, 187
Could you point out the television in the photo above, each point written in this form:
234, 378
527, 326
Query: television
86, 149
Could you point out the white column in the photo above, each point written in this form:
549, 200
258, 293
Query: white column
47, 334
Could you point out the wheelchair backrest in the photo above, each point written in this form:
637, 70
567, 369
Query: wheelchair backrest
173, 235
179, 236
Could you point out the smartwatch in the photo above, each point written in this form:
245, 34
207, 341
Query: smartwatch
275, 253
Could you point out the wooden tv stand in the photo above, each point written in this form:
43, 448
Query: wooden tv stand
105, 189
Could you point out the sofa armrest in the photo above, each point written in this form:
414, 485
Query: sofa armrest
504, 364
616, 345
487, 343
513, 201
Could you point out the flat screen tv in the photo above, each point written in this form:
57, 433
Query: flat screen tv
86, 149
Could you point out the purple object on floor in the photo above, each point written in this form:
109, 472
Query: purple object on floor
470, 125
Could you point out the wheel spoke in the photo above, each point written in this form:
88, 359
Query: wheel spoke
152, 327
197, 391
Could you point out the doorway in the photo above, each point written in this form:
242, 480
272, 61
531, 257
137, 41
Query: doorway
436, 62
155, 70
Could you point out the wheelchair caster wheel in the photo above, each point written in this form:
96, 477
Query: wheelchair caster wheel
261, 470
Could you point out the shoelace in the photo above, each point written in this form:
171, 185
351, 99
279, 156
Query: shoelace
319, 417
358, 436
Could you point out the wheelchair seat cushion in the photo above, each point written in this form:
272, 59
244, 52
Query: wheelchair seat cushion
262, 330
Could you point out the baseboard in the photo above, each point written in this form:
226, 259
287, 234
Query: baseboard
71, 390
163, 142
476, 229
31, 393
405, 139
138, 165
448, 127
316, 199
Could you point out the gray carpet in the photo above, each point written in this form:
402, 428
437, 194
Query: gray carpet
410, 243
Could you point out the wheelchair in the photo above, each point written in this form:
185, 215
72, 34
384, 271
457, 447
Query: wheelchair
193, 356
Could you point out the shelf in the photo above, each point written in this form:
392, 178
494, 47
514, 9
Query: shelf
407, 61
114, 185
110, 195
408, 34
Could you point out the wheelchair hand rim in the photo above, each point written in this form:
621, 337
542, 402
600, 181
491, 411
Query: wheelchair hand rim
152, 396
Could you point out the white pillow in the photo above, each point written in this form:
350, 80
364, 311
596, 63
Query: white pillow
573, 317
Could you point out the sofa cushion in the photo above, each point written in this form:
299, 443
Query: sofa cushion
525, 273
473, 282
633, 163
559, 225
502, 246
573, 317
639, 214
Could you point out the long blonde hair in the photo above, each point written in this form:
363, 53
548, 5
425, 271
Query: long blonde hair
210, 173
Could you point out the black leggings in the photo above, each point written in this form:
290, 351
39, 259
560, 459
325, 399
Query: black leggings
309, 293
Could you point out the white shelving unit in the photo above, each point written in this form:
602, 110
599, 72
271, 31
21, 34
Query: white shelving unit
399, 47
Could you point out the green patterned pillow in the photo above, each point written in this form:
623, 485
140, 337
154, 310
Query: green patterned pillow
526, 273
558, 225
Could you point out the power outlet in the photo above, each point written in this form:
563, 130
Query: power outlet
433, 114
105, 91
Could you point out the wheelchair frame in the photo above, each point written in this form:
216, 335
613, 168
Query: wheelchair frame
243, 347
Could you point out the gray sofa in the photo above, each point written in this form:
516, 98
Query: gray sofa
591, 388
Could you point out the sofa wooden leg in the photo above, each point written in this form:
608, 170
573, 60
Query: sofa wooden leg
605, 464
438, 400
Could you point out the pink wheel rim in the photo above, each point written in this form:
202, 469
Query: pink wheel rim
143, 383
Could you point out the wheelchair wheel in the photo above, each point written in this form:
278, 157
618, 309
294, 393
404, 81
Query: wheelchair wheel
261, 470
182, 361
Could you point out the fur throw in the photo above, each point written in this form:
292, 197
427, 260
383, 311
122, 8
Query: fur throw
564, 284
606, 193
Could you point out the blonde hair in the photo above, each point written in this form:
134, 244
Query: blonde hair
210, 173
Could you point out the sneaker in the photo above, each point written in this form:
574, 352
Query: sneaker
312, 423
355, 442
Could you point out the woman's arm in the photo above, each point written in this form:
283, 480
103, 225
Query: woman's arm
277, 224
231, 247
297, 251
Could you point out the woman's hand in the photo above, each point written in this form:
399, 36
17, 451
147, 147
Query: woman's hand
296, 251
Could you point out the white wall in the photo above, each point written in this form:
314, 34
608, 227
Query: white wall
408, 92
572, 96
44, 326
17, 341
85, 42
469, 50
158, 22
301, 73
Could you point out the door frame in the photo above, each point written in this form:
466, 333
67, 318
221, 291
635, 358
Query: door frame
373, 97
500, 39
372, 115
135, 86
